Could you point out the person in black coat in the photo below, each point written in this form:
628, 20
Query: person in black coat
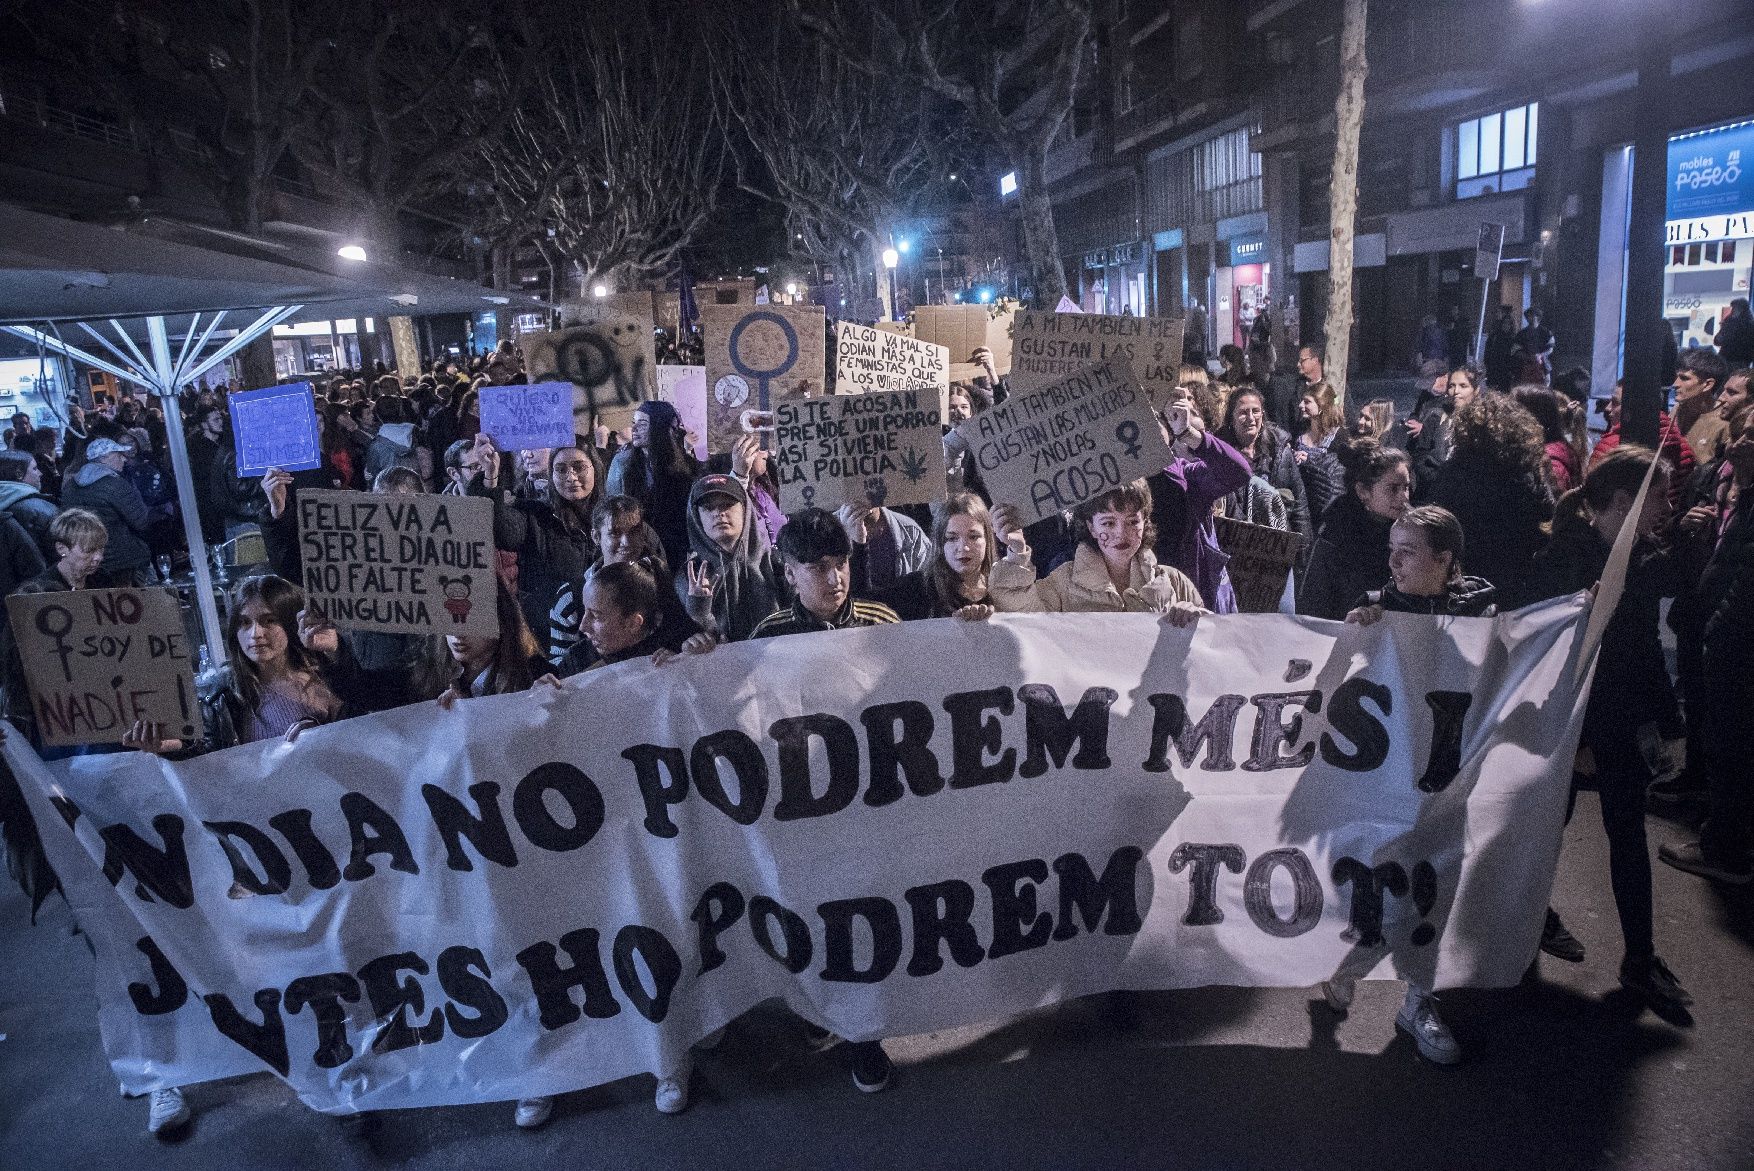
1726, 602
1631, 679
1270, 453
551, 536
656, 469
1351, 553
954, 582
1497, 484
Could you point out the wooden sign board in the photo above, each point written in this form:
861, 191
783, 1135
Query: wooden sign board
1052, 448
757, 355
958, 328
610, 359
684, 387
1260, 562
98, 660
867, 359
1045, 347
883, 448
416, 564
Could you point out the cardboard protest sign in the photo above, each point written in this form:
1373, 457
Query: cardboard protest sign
1046, 347
684, 387
867, 359
1260, 562
528, 418
404, 564
609, 358
98, 660
884, 448
1049, 449
756, 356
275, 427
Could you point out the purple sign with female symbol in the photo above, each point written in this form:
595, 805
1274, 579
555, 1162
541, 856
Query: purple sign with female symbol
757, 355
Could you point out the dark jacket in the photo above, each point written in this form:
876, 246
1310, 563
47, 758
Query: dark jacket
663, 496
1632, 684
1465, 597
235, 499
1429, 450
1279, 470
1351, 555
584, 656
33, 511
1726, 599
203, 454
913, 598
1501, 514
118, 504
552, 548
223, 714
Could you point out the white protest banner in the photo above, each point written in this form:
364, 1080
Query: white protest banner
684, 387
903, 829
412, 564
1045, 347
98, 660
755, 356
867, 359
275, 427
879, 448
609, 358
1050, 449
528, 418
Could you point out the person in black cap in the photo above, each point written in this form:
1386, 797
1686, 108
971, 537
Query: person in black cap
731, 579
656, 468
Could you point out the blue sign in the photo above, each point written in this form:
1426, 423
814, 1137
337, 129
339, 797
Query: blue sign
1709, 172
528, 418
275, 427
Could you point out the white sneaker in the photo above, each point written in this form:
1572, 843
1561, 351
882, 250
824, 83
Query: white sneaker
672, 1095
533, 1112
1418, 1018
167, 1111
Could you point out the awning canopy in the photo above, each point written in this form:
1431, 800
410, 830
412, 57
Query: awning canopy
61, 270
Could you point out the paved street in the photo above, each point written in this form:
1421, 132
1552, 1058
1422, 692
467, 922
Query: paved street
1562, 1074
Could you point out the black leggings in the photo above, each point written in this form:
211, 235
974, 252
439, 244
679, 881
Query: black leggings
1621, 780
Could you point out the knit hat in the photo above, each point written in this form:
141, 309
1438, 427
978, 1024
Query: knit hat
661, 414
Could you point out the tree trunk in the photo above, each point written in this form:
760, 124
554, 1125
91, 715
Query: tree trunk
1343, 197
1041, 241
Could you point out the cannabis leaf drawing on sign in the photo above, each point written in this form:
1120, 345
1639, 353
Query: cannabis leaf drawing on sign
913, 466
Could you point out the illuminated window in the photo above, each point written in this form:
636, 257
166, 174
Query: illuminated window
1496, 152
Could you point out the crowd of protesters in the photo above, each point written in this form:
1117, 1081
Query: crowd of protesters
1485, 497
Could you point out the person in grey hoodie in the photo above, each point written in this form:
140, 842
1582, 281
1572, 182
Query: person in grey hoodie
100, 486
395, 444
22, 499
733, 578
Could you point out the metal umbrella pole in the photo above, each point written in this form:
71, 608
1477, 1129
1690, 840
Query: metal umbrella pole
165, 385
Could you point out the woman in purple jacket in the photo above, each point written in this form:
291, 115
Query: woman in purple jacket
1204, 471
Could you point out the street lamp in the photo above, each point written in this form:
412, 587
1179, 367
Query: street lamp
791, 290
600, 291
891, 258
350, 252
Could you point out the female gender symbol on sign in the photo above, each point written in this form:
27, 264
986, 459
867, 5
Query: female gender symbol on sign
762, 378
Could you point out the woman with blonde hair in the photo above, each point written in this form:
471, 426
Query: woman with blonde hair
1319, 407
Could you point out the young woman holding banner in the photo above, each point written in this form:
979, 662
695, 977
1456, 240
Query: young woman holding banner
1425, 570
955, 581
288, 672
1112, 570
